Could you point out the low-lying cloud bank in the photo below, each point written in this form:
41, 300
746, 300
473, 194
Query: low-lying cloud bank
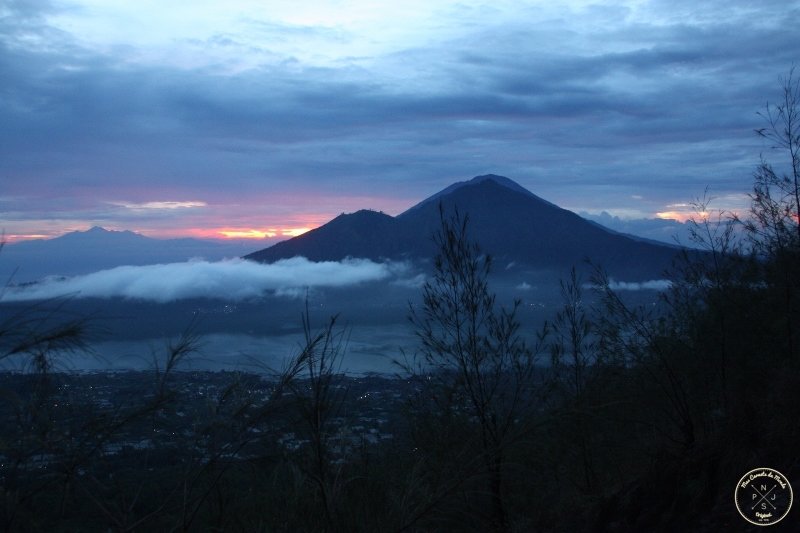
652, 285
235, 279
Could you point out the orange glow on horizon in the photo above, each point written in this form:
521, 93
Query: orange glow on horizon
699, 216
261, 234
242, 233
681, 216
11, 239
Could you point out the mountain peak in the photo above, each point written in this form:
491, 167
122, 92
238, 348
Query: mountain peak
500, 180
357, 234
477, 180
97, 230
363, 214
99, 234
493, 177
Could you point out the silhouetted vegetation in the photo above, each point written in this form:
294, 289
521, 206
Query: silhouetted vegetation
621, 417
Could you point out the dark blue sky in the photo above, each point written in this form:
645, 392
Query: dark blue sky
204, 117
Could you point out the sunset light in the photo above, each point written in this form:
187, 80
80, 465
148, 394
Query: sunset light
681, 216
689, 214
262, 234
10, 239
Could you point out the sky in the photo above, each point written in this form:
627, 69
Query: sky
264, 118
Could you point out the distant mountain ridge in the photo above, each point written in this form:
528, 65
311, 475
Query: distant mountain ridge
508, 221
82, 252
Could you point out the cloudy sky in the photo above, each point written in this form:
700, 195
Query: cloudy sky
264, 117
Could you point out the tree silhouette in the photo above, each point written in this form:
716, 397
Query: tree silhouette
477, 369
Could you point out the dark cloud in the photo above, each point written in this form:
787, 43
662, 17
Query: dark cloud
580, 112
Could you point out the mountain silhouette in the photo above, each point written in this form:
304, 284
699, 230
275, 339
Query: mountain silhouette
509, 222
82, 252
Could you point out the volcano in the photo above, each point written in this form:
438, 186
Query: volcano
508, 222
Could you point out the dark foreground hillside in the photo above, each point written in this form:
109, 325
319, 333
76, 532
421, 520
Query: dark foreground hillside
201, 451
615, 418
